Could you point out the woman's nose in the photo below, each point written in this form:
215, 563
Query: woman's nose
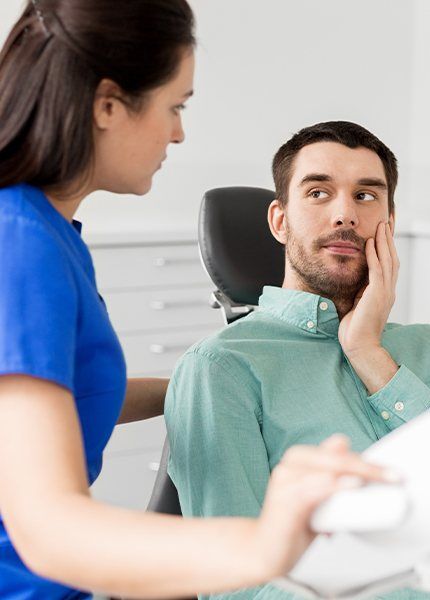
178, 133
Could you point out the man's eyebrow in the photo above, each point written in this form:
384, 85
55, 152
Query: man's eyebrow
373, 182
366, 181
188, 94
315, 177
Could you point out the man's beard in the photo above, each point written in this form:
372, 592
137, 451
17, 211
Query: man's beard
341, 283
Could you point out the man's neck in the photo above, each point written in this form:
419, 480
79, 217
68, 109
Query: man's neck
292, 281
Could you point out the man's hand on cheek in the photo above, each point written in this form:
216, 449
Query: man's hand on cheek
360, 330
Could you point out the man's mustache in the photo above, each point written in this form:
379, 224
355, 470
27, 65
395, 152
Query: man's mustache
345, 235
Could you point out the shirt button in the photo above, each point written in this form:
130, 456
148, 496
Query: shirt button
399, 406
385, 415
323, 306
310, 324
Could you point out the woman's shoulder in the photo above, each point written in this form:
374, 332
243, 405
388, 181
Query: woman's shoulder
15, 204
27, 238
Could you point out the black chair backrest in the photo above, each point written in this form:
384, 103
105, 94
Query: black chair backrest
241, 256
236, 245
164, 498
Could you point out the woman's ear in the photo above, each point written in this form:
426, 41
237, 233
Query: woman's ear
276, 220
108, 104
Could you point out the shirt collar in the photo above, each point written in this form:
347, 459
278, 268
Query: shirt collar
77, 225
310, 312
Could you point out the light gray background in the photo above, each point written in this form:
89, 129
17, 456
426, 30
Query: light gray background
266, 69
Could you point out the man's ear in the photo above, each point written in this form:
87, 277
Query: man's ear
108, 104
276, 220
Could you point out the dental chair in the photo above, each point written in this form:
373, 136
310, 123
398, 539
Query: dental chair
240, 256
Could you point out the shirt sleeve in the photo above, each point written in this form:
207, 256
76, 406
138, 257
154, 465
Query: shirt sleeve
38, 303
218, 461
403, 398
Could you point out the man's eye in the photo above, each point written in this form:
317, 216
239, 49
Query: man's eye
318, 194
365, 196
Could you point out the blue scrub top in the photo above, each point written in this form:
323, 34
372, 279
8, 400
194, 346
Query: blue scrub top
54, 326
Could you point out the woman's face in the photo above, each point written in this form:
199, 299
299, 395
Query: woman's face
130, 147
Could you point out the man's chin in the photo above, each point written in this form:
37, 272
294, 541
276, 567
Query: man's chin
349, 283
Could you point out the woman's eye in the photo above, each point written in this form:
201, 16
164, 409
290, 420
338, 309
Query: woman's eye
318, 194
366, 196
179, 108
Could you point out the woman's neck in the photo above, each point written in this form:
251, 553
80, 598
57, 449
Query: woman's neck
66, 200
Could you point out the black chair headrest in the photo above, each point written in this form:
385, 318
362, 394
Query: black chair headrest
237, 248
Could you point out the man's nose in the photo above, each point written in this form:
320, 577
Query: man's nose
345, 213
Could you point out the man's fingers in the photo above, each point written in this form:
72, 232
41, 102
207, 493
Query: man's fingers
384, 254
375, 269
394, 255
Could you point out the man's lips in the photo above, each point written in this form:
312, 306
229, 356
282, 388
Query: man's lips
339, 247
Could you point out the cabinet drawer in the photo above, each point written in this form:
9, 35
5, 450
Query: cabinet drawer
161, 309
141, 436
148, 266
419, 287
127, 479
158, 352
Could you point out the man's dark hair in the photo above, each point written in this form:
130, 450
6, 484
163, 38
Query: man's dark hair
50, 67
342, 132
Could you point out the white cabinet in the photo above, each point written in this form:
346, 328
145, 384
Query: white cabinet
401, 311
420, 280
158, 298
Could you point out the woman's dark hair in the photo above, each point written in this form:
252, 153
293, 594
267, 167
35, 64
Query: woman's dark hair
52, 63
343, 132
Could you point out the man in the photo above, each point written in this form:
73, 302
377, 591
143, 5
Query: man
317, 357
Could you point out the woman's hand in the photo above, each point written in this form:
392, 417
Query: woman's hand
305, 477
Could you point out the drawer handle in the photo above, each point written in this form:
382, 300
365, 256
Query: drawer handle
161, 305
158, 305
161, 349
161, 261
154, 466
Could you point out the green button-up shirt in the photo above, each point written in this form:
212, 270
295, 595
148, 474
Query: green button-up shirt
278, 377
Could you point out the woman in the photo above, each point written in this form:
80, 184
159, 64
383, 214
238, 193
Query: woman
90, 97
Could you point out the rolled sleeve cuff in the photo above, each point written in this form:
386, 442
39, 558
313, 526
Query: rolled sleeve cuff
403, 398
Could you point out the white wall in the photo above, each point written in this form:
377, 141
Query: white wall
419, 140
265, 69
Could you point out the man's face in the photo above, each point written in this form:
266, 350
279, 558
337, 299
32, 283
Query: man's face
336, 198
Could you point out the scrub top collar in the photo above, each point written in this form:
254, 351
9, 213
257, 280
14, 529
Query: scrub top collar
43, 203
64, 228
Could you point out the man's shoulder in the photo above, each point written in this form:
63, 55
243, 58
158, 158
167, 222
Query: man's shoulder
240, 337
233, 349
411, 340
410, 330
217, 364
